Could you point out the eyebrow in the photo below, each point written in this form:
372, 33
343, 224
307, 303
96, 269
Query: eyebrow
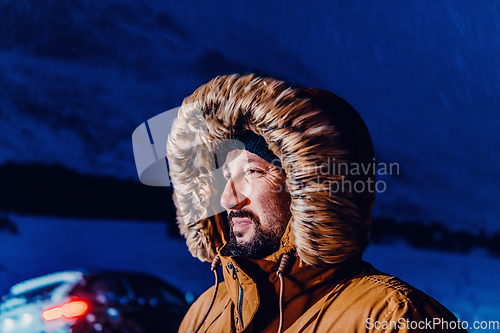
249, 160
252, 159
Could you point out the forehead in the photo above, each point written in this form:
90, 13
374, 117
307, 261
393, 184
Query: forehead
238, 157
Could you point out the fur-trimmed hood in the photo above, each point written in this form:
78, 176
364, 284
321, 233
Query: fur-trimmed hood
319, 139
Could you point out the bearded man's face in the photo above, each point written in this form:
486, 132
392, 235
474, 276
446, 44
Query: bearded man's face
257, 203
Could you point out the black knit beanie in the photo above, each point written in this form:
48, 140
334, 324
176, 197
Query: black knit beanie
253, 143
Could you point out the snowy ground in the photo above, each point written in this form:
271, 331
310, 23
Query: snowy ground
467, 285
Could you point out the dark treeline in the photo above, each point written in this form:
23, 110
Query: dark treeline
433, 236
52, 190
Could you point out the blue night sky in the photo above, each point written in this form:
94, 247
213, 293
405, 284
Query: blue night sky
76, 79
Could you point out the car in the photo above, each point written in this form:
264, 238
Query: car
83, 301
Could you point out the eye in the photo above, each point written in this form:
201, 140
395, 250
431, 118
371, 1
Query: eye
253, 172
225, 173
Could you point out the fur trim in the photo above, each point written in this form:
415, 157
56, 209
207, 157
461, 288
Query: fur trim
310, 130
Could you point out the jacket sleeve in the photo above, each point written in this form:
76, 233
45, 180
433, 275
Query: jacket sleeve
196, 312
219, 318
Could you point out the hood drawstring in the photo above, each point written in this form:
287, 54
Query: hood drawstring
215, 265
285, 262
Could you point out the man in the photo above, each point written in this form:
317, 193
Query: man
296, 217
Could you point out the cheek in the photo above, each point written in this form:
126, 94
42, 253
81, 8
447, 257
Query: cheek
276, 208
243, 189
247, 189
275, 191
276, 182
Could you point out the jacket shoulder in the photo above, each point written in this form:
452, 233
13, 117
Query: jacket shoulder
377, 285
375, 299
386, 285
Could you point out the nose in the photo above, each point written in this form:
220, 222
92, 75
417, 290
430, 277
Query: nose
232, 198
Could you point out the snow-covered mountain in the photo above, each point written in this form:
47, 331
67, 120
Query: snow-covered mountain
76, 79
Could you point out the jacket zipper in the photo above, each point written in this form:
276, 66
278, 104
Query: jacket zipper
230, 266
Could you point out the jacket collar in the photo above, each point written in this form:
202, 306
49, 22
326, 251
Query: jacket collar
242, 276
251, 282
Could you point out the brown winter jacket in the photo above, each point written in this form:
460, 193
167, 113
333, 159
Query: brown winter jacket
353, 298
313, 133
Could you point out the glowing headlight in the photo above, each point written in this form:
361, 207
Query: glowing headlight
27, 319
8, 324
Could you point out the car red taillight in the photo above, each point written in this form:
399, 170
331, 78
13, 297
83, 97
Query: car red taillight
72, 309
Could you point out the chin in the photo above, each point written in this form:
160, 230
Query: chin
243, 240
244, 236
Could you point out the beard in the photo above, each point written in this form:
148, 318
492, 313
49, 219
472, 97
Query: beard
262, 244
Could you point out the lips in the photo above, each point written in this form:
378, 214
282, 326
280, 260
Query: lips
240, 223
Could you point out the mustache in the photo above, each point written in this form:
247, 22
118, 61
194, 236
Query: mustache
242, 213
